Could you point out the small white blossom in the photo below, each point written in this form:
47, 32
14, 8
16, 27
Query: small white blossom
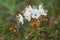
35, 13
40, 7
28, 8
42, 11
27, 15
20, 18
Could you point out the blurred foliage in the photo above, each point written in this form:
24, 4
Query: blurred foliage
11, 5
47, 30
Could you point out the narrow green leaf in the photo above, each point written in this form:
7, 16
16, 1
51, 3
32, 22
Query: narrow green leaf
10, 3
20, 4
3, 11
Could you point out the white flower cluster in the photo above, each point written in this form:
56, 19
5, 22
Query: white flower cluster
20, 18
32, 12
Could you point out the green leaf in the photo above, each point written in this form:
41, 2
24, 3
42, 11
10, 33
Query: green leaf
3, 3
3, 11
20, 4
10, 3
49, 30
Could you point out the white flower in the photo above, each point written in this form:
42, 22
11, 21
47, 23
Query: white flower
42, 11
35, 13
27, 15
28, 8
20, 18
31, 12
40, 7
